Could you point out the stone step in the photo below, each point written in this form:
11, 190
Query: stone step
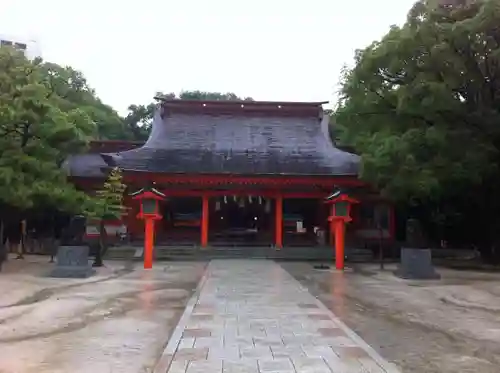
196, 253
120, 252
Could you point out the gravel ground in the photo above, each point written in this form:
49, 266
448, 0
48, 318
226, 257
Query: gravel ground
445, 326
117, 321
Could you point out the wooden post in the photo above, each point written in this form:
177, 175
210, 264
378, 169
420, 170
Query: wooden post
339, 244
392, 223
279, 223
204, 221
3, 248
380, 245
148, 242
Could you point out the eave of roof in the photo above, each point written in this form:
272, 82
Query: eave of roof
241, 102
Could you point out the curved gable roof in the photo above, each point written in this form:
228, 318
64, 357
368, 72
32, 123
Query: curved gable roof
247, 140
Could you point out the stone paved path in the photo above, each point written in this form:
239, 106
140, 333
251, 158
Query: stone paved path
253, 317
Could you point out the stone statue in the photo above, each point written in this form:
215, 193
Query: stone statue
416, 257
74, 233
73, 254
414, 235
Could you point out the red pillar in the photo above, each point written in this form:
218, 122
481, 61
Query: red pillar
279, 222
148, 242
204, 221
339, 244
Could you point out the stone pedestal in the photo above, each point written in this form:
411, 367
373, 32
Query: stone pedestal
72, 262
416, 264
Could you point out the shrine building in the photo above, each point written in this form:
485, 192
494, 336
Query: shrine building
249, 173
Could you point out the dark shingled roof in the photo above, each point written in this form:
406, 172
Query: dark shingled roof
242, 138
85, 165
91, 163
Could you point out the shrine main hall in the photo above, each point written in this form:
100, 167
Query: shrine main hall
248, 173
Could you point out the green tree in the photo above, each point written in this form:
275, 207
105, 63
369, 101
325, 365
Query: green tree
211, 96
37, 132
422, 108
36, 135
139, 120
107, 205
73, 92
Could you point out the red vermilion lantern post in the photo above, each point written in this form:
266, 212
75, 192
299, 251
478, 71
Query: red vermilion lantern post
149, 212
340, 215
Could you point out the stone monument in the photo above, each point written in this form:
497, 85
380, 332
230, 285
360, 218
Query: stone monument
416, 258
73, 254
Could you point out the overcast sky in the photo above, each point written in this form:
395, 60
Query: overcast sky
270, 50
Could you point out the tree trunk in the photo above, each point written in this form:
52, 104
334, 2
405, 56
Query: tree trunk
3, 249
495, 252
381, 247
101, 250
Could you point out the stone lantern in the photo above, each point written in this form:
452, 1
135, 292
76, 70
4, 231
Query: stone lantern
149, 212
340, 214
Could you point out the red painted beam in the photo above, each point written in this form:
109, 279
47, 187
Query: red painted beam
239, 192
277, 180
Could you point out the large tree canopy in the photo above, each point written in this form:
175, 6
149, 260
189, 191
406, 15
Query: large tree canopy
73, 92
422, 104
38, 129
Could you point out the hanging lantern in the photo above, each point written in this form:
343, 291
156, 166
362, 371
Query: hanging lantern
235, 198
217, 206
260, 200
225, 199
249, 199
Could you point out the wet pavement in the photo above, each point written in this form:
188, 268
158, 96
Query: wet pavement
445, 326
251, 316
120, 320
117, 321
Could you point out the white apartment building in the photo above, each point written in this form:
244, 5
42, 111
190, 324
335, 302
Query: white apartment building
30, 47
